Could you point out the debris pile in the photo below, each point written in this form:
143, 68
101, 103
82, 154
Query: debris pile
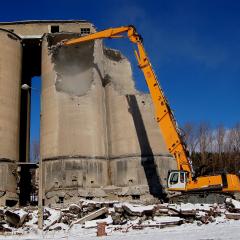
118, 216
233, 207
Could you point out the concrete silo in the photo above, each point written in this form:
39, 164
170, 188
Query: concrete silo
10, 80
72, 121
139, 160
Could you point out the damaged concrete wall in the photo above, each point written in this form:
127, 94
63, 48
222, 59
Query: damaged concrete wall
72, 123
137, 152
10, 80
97, 130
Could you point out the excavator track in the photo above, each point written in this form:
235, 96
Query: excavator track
200, 197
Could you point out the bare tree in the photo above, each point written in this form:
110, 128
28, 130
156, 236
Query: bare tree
213, 151
35, 151
220, 138
236, 138
235, 148
190, 134
204, 140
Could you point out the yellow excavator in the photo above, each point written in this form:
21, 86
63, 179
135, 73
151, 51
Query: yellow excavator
180, 180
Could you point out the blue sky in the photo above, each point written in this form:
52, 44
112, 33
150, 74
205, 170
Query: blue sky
194, 46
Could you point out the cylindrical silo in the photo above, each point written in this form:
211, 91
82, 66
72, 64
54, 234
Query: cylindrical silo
10, 80
139, 159
73, 130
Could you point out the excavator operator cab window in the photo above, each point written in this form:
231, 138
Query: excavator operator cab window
174, 178
177, 180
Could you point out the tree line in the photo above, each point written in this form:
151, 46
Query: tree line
213, 151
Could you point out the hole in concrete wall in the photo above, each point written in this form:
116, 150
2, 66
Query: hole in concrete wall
56, 184
74, 182
34, 198
54, 29
27, 184
135, 197
11, 203
70, 68
130, 181
89, 198
61, 199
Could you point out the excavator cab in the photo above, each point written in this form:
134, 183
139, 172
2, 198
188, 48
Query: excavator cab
177, 180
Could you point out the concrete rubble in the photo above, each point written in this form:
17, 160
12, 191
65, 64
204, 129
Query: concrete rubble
117, 216
16, 218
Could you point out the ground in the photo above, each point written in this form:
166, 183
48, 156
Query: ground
214, 231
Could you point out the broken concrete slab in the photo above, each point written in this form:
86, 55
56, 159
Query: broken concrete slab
53, 217
16, 218
234, 216
138, 210
75, 209
91, 216
233, 205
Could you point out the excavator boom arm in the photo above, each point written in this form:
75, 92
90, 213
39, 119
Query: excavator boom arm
108, 33
164, 115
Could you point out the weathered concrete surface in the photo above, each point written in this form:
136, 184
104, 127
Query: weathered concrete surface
97, 130
10, 77
72, 123
137, 152
39, 28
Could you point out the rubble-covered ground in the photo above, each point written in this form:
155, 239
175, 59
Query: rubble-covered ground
125, 221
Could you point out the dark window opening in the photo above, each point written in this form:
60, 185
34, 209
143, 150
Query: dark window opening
89, 198
135, 197
85, 30
74, 182
34, 198
28, 184
11, 203
54, 29
61, 199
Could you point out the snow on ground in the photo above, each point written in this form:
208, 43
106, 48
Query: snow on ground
215, 231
